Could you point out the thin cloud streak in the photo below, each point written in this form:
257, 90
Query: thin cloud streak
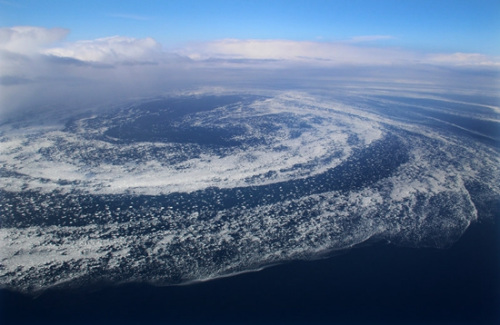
464, 59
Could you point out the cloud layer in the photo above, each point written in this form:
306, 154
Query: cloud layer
29, 39
37, 68
114, 49
312, 53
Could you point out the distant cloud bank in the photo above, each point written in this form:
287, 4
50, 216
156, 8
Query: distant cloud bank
110, 50
29, 40
37, 65
324, 53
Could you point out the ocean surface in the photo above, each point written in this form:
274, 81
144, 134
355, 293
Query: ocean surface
282, 209
374, 284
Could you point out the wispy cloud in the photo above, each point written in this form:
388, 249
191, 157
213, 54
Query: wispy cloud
464, 59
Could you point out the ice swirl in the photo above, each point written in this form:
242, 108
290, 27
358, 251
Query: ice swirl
190, 188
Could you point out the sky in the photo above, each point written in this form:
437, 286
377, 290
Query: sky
133, 45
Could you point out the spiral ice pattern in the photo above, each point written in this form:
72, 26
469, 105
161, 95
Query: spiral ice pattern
190, 188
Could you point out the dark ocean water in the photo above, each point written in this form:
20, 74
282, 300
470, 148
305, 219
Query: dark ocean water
374, 284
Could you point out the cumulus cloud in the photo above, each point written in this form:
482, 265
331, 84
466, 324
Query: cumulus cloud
21, 42
20, 49
38, 70
29, 39
110, 50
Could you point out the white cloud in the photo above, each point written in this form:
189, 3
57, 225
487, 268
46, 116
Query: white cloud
296, 51
327, 53
35, 70
110, 50
464, 59
28, 39
32, 41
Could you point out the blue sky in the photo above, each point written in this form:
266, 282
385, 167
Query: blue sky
430, 26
